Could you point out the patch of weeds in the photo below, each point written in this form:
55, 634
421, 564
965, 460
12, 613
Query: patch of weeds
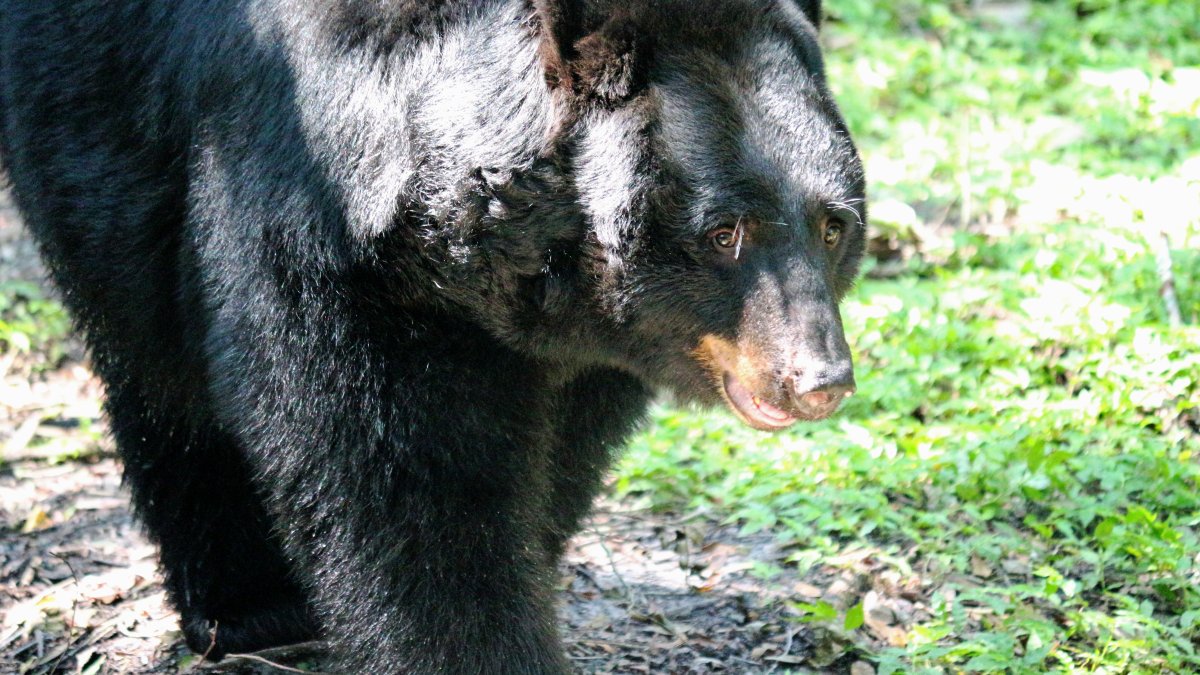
31, 323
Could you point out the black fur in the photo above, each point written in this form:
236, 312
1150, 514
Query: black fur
812, 11
377, 286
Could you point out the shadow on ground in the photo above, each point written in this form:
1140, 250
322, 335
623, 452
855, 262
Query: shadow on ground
642, 593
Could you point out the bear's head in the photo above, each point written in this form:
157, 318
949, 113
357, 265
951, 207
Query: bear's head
720, 202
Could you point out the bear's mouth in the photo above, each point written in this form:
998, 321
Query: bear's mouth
753, 409
733, 367
738, 374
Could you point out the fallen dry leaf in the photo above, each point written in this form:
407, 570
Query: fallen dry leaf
980, 568
880, 620
806, 590
37, 519
861, 668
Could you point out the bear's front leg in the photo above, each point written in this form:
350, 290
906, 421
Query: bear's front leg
594, 414
409, 481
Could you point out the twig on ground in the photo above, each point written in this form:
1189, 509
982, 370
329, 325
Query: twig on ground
270, 664
605, 643
36, 455
6, 361
791, 636
212, 644
269, 658
964, 172
74, 607
22, 436
1161, 246
594, 657
612, 563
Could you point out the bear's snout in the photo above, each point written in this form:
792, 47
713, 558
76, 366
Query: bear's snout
810, 387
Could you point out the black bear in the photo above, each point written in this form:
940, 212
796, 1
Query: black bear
377, 286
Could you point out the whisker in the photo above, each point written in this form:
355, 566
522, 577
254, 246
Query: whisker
850, 205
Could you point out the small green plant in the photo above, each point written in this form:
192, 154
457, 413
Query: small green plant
31, 322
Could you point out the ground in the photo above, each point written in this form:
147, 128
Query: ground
643, 592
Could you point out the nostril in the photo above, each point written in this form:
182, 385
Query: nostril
817, 399
823, 398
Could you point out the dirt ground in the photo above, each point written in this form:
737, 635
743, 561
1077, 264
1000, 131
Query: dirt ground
642, 592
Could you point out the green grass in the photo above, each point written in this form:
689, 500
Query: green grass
934, 95
31, 323
1026, 436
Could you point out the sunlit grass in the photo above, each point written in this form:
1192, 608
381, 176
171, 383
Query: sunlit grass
1116, 94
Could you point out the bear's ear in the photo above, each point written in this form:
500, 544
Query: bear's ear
600, 58
559, 25
812, 11
610, 63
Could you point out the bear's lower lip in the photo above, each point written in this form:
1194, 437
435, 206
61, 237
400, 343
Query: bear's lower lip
752, 409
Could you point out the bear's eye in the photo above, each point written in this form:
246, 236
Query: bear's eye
833, 232
725, 239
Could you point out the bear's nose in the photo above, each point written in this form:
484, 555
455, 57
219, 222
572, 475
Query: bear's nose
821, 389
